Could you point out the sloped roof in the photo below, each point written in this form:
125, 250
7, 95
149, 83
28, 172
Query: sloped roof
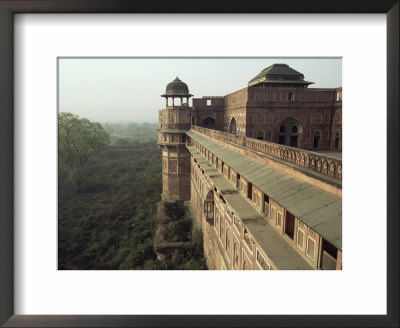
279, 73
318, 209
279, 251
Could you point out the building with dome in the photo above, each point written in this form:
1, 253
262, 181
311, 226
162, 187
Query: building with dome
277, 106
260, 169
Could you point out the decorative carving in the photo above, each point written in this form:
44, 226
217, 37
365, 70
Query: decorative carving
228, 240
247, 239
286, 154
246, 263
262, 262
312, 163
236, 223
236, 256
173, 166
325, 167
302, 158
332, 169
319, 165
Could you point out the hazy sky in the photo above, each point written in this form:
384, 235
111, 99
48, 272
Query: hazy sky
129, 89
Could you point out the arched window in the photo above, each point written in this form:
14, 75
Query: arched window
232, 126
260, 135
209, 122
317, 138
289, 133
260, 118
209, 207
318, 119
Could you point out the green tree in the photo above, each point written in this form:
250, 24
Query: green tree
78, 140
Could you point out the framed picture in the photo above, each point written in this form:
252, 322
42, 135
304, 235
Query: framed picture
213, 299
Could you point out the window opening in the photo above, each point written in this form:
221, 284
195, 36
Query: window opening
289, 226
250, 191
316, 141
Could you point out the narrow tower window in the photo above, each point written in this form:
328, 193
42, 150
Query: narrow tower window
316, 141
337, 141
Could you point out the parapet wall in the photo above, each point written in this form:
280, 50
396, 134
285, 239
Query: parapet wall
254, 220
306, 159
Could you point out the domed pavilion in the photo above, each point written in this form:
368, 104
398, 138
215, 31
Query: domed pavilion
177, 89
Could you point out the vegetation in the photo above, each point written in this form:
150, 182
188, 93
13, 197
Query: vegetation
122, 134
107, 218
108, 221
180, 247
78, 140
191, 258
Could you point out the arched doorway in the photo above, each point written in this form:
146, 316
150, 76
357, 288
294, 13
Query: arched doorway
289, 132
209, 123
317, 138
232, 126
260, 135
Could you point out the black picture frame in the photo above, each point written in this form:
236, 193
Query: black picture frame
7, 10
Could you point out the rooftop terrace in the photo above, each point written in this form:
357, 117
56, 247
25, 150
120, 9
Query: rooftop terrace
318, 209
322, 165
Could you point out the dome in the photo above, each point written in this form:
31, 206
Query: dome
279, 74
177, 88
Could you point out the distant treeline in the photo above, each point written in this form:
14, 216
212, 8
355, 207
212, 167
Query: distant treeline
126, 133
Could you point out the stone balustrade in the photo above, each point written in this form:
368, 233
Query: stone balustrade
300, 157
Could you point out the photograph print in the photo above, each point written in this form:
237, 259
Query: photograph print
199, 163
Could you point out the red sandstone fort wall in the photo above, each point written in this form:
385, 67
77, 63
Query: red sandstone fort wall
259, 112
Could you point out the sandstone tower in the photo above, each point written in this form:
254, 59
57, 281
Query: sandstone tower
174, 121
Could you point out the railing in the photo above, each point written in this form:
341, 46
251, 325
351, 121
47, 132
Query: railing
325, 165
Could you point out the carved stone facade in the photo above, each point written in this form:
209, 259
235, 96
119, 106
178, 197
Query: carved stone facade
174, 121
249, 229
287, 113
262, 200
